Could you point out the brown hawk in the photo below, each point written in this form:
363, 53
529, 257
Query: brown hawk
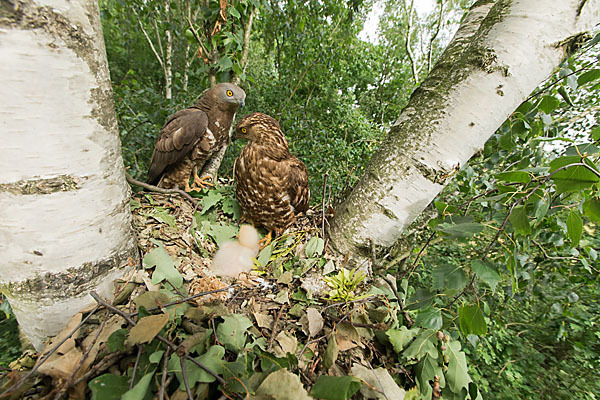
271, 184
192, 136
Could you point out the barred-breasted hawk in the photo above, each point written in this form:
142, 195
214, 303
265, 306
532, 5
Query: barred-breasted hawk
271, 183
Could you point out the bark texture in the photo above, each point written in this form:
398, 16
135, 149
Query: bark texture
65, 223
500, 53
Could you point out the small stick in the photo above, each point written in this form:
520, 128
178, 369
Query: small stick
323, 203
46, 356
185, 300
135, 365
106, 362
185, 378
157, 189
69, 381
409, 320
274, 330
163, 380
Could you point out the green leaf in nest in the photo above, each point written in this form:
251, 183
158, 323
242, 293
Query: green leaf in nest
471, 320
222, 233
116, 341
140, 389
265, 255
335, 387
212, 197
314, 247
108, 387
165, 268
424, 344
162, 215
514, 176
231, 333
461, 230
213, 359
232, 208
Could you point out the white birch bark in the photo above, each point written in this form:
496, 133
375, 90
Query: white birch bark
168, 56
500, 53
65, 222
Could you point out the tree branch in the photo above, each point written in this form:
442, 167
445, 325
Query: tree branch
157, 189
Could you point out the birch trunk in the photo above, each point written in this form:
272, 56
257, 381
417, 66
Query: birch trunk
500, 53
65, 223
168, 56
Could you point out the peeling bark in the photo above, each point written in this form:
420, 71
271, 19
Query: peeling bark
500, 53
65, 223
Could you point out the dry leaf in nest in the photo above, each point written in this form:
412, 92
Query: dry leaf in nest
206, 284
312, 322
147, 328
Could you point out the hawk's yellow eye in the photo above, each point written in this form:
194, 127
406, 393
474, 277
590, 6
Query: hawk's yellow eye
243, 130
229, 93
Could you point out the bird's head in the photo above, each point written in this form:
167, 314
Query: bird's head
258, 127
227, 96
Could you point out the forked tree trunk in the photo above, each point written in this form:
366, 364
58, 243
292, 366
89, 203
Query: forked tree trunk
65, 222
500, 53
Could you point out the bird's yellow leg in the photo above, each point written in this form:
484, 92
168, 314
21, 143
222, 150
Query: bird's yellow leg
199, 183
265, 241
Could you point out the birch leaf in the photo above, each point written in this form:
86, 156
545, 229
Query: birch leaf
335, 387
109, 387
165, 268
399, 338
457, 374
283, 385
574, 228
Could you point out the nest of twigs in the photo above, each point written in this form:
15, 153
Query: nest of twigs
270, 334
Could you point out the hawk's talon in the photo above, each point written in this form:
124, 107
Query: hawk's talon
265, 241
199, 183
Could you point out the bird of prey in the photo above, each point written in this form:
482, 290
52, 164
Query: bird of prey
271, 183
190, 137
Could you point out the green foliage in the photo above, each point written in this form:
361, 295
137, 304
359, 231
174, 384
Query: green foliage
520, 223
335, 387
344, 285
10, 347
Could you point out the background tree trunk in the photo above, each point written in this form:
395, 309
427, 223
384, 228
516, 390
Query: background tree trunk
65, 222
500, 53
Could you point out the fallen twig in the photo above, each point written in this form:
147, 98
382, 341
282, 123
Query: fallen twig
409, 320
186, 299
163, 379
157, 189
135, 365
185, 378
